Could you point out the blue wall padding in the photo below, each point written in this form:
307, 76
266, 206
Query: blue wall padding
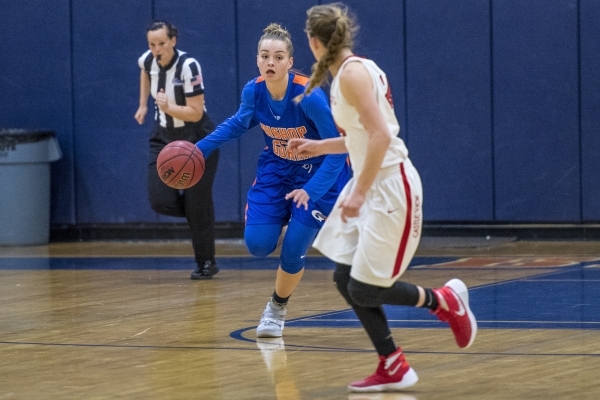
498, 100
111, 150
536, 126
590, 110
449, 107
35, 84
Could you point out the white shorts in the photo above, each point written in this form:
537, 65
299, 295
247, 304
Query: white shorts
379, 243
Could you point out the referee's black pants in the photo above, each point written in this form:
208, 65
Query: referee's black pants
196, 203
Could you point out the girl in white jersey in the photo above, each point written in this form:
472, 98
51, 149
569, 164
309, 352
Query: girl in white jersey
375, 226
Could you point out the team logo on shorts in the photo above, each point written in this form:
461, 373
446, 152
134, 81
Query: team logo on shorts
318, 215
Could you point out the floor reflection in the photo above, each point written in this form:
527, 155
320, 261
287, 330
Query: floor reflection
275, 358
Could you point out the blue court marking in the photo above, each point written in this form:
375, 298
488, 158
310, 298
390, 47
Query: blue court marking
563, 299
169, 263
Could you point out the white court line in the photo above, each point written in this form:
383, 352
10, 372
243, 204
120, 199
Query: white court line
436, 322
562, 280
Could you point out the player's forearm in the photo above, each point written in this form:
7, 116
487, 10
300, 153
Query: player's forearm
230, 129
376, 150
326, 176
333, 146
184, 113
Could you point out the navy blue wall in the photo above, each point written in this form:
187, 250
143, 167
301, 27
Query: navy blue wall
110, 149
36, 90
589, 61
537, 157
448, 108
498, 99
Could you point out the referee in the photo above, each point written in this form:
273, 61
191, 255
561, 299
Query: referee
175, 81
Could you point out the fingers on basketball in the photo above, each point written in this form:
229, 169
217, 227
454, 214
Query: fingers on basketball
180, 164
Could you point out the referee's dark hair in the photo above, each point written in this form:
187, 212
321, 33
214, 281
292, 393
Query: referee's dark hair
158, 24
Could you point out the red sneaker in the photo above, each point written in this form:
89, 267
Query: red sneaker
454, 308
393, 373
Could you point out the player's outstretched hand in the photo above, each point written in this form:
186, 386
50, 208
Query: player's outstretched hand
300, 197
304, 147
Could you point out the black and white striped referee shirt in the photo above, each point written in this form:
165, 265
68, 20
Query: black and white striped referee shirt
180, 79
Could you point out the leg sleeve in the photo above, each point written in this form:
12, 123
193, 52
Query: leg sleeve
295, 245
399, 294
261, 239
373, 319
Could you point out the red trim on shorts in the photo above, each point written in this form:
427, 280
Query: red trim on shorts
407, 219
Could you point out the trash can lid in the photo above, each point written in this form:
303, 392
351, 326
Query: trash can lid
18, 136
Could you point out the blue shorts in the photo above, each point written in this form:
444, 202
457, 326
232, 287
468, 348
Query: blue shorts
275, 178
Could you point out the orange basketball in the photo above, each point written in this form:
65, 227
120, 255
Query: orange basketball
180, 164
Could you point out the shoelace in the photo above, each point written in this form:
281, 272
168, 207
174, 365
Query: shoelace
268, 317
206, 269
392, 359
442, 303
443, 309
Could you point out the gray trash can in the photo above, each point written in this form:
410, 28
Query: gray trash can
25, 158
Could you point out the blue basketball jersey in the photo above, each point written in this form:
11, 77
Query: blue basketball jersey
279, 172
284, 120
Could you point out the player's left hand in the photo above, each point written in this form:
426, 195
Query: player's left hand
304, 147
300, 197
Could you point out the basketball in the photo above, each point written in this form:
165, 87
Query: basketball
180, 164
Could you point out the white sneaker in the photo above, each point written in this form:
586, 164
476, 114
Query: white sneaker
271, 322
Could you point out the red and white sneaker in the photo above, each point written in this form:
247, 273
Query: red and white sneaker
454, 308
393, 373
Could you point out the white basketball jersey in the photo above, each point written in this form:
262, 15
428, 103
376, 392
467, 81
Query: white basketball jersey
354, 132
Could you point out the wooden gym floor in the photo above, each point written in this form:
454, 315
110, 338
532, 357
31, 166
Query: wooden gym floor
122, 320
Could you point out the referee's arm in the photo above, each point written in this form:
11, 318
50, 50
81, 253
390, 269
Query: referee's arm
191, 112
140, 115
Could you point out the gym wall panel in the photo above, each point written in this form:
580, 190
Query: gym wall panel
449, 107
590, 109
207, 32
536, 132
498, 100
290, 15
111, 148
35, 83
381, 38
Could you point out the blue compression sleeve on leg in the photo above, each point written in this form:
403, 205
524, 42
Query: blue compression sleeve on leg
261, 239
295, 245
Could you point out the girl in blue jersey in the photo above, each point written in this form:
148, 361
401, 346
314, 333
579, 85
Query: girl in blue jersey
288, 191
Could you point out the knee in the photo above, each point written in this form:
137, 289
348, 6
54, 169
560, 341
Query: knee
258, 247
362, 294
292, 258
158, 206
170, 208
261, 239
291, 267
341, 277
